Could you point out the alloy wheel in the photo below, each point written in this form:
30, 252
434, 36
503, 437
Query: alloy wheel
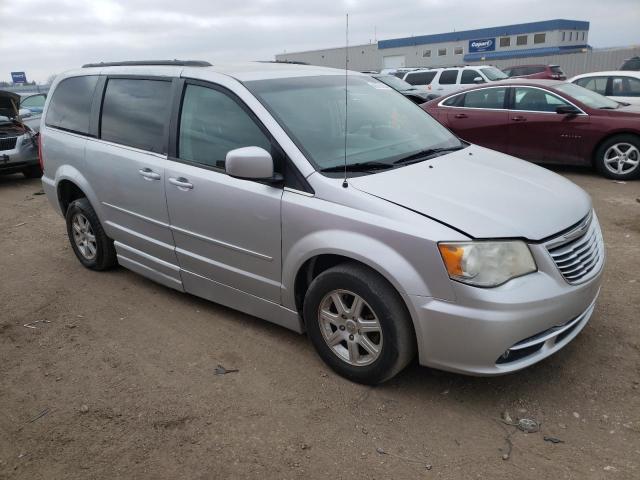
83, 236
622, 158
350, 327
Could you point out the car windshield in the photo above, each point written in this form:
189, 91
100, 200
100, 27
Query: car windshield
382, 125
394, 82
492, 73
588, 97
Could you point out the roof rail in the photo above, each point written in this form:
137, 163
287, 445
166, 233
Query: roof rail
176, 63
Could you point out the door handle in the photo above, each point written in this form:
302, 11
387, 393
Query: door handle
519, 118
149, 174
181, 182
460, 115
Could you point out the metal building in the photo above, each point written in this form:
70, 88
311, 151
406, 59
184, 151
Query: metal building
488, 45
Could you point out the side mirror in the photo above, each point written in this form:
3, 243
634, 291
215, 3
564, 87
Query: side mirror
24, 112
567, 110
478, 80
251, 163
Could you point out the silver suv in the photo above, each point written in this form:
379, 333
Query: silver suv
380, 236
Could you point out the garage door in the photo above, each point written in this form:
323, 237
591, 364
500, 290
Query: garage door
393, 61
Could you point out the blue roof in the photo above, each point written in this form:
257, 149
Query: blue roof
527, 52
518, 29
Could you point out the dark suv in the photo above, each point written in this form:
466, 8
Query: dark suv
631, 64
549, 72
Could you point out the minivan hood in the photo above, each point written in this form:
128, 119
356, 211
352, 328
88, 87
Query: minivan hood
483, 193
9, 104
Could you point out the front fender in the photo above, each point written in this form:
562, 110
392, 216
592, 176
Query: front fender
380, 257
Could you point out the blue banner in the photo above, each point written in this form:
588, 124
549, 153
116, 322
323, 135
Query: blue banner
18, 77
482, 45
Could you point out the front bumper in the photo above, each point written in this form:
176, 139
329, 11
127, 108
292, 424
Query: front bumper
499, 330
23, 155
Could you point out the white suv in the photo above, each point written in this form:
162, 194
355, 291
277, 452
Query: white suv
443, 81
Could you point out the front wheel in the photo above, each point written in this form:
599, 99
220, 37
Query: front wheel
619, 157
89, 242
358, 324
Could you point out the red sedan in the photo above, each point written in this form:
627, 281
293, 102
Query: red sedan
546, 121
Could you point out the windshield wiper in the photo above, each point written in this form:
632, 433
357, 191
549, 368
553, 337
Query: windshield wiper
358, 167
427, 154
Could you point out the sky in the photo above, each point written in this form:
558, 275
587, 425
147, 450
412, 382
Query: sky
45, 37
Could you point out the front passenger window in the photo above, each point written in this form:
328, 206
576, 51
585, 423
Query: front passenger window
536, 100
211, 124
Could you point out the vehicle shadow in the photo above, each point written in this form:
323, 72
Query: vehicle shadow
17, 179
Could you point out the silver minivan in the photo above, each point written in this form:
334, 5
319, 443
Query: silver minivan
374, 229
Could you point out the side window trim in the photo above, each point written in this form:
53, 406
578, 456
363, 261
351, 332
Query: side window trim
101, 97
180, 86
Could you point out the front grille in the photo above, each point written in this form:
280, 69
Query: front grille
579, 254
8, 143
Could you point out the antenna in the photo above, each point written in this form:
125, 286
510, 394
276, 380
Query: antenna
345, 184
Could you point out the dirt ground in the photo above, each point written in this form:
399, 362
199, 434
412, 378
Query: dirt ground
117, 380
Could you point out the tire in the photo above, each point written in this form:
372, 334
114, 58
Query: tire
395, 342
96, 254
32, 172
627, 144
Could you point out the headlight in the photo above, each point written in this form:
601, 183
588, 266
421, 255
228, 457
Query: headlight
486, 264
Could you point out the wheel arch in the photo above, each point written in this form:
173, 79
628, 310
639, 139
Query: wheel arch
71, 185
609, 136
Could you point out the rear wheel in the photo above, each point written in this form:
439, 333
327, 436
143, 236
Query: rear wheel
619, 157
358, 324
32, 172
89, 242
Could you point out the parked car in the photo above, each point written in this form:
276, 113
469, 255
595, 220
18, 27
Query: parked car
547, 121
621, 86
409, 91
443, 81
18, 142
550, 72
632, 64
379, 237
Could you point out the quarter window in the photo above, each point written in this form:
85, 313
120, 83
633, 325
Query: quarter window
70, 107
521, 40
539, 38
212, 124
135, 113
536, 100
448, 77
442, 52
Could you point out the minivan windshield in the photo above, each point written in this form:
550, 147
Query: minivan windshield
588, 97
383, 126
492, 73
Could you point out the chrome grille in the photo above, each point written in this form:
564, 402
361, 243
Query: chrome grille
8, 143
579, 254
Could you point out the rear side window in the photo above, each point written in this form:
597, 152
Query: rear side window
420, 78
211, 124
596, 84
448, 77
135, 113
70, 107
625, 87
486, 98
533, 70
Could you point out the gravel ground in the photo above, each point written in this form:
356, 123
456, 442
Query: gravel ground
117, 380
